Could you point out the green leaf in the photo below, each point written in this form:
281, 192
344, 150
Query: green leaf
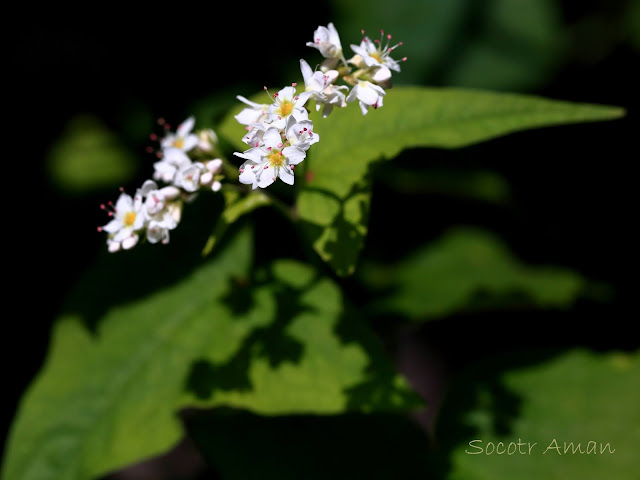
310, 353
111, 388
89, 156
108, 397
467, 270
334, 201
584, 398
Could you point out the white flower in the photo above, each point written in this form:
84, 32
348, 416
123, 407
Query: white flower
189, 178
316, 82
164, 221
327, 41
369, 95
375, 55
128, 218
287, 103
272, 160
255, 134
254, 113
172, 161
156, 199
207, 139
183, 139
301, 134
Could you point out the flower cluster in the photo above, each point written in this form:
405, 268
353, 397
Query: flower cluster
186, 166
278, 135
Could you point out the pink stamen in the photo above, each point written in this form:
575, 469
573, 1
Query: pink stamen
153, 137
161, 121
149, 149
99, 229
294, 84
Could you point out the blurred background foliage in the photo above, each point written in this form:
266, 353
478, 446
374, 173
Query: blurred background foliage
517, 251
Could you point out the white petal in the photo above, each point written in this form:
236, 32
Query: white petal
266, 178
307, 73
367, 95
286, 175
294, 155
214, 165
272, 138
124, 203
302, 99
381, 74
113, 226
190, 142
130, 242
185, 127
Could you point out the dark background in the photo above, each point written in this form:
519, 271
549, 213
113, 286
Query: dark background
574, 187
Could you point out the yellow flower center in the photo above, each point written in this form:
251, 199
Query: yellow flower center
377, 56
178, 143
285, 108
276, 159
129, 219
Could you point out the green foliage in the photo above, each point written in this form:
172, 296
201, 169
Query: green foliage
467, 270
279, 343
334, 202
577, 397
89, 156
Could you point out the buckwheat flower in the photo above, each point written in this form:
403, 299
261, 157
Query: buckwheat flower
368, 94
173, 160
374, 55
254, 113
273, 160
316, 82
327, 41
156, 199
286, 103
162, 222
207, 139
255, 134
182, 139
189, 178
301, 134
129, 217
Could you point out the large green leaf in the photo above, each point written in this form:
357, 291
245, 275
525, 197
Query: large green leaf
310, 354
334, 203
576, 416
467, 269
111, 388
107, 398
